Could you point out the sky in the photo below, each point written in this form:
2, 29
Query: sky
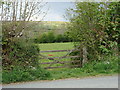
57, 10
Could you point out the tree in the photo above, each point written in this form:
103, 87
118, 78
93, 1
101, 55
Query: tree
15, 17
88, 25
83, 25
113, 24
22, 12
51, 37
44, 38
59, 38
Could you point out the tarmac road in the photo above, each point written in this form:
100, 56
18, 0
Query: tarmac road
89, 82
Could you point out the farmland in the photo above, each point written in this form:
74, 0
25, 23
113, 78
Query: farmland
27, 41
37, 28
90, 69
55, 46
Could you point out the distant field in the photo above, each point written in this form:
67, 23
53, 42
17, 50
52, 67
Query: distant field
58, 27
55, 46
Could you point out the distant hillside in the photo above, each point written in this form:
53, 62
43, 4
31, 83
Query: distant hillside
37, 28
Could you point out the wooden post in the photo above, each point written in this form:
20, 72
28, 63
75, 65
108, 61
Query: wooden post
115, 50
85, 59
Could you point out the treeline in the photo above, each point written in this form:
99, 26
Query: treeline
50, 37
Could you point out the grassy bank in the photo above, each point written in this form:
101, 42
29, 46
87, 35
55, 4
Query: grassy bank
90, 69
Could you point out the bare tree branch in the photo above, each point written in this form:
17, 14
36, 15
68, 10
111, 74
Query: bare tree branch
21, 11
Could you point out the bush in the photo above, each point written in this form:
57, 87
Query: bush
22, 52
43, 38
50, 37
59, 38
66, 38
19, 74
107, 65
20, 56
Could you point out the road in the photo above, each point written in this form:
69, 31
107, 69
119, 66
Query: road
89, 82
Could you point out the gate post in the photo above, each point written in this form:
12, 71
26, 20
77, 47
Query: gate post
85, 59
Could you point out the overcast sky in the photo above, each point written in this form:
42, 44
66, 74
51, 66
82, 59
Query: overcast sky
57, 10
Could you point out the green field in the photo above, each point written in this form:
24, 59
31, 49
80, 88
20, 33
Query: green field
55, 46
90, 69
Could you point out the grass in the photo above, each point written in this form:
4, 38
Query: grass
55, 46
108, 66
75, 73
90, 69
19, 74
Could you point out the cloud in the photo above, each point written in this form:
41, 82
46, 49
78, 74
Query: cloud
56, 11
49, 17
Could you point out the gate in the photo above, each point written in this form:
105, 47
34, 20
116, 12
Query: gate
50, 62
